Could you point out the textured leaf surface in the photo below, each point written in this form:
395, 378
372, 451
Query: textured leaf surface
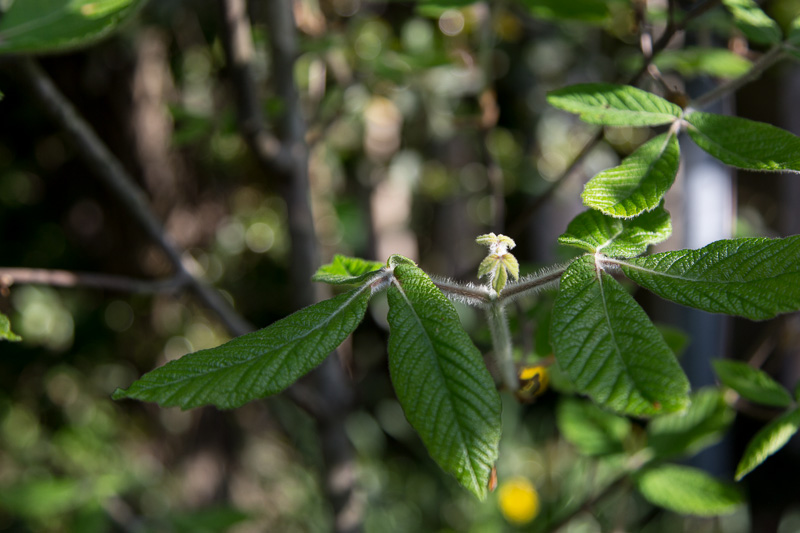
609, 347
688, 490
769, 440
688, 432
614, 105
639, 183
42, 26
257, 364
745, 143
752, 383
5, 330
753, 22
440, 378
590, 429
346, 270
757, 278
595, 232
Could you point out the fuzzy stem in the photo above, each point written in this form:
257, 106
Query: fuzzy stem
501, 340
544, 279
466, 293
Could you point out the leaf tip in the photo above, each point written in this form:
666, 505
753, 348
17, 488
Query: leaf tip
119, 394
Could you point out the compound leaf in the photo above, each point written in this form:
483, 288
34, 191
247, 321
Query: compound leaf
688, 432
753, 22
752, 383
46, 26
346, 270
769, 440
639, 183
257, 364
5, 330
757, 278
687, 490
614, 105
440, 378
595, 232
744, 143
609, 347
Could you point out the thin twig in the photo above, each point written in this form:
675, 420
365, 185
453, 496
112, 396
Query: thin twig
292, 131
110, 171
775, 54
238, 44
65, 278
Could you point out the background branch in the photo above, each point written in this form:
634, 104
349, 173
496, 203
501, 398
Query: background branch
335, 397
64, 278
110, 171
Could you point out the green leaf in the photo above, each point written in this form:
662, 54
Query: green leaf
752, 383
45, 26
793, 36
753, 22
745, 143
769, 440
676, 338
595, 232
687, 433
688, 491
590, 429
44, 497
639, 183
757, 278
614, 105
257, 364
5, 330
609, 347
696, 61
440, 378
207, 520
346, 271
594, 11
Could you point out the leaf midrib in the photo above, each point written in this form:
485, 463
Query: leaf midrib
429, 342
599, 275
686, 278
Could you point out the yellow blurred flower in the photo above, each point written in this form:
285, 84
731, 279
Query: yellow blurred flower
533, 383
519, 501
